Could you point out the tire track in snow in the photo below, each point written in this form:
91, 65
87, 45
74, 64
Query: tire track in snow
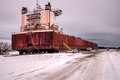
86, 66
26, 73
115, 74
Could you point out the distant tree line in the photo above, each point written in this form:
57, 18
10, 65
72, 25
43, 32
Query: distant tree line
4, 46
108, 47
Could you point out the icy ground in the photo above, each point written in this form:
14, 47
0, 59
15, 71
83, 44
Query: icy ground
103, 65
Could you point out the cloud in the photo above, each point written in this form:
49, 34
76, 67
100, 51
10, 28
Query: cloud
94, 20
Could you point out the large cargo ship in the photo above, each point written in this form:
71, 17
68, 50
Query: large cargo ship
39, 33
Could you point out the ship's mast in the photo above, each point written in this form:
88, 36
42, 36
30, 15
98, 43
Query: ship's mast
37, 5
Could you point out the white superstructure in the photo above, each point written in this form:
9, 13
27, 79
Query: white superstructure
39, 19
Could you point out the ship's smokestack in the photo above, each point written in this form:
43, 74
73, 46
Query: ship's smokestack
23, 11
48, 6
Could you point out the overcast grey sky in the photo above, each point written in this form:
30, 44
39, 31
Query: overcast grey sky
93, 20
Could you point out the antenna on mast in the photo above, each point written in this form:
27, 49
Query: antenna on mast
37, 5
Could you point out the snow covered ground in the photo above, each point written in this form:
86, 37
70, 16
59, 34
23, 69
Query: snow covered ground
61, 66
112, 65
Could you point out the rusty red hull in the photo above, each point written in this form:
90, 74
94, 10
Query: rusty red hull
47, 40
